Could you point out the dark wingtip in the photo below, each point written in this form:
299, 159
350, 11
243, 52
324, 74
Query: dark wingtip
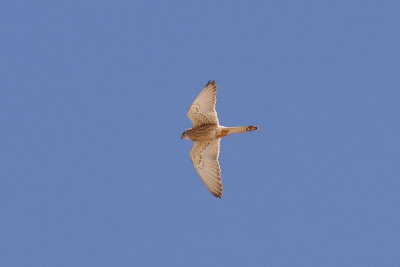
211, 85
218, 195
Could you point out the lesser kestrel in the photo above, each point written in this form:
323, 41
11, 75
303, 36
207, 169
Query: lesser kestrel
206, 134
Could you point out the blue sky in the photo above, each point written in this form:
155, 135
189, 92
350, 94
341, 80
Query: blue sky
93, 100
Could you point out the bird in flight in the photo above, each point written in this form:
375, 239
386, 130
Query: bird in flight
206, 134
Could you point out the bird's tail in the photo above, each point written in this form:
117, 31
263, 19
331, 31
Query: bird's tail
240, 129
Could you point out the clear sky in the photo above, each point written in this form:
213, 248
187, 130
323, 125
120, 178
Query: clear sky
93, 101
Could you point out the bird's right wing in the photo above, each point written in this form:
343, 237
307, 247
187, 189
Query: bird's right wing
202, 111
204, 156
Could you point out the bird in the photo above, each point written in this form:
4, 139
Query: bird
206, 134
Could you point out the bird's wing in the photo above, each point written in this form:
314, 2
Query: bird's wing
204, 155
202, 111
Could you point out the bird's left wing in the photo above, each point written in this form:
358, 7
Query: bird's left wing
204, 155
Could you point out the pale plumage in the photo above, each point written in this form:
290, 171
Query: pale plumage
206, 134
204, 155
202, 111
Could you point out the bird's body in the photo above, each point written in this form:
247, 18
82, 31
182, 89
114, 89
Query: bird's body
206, 134
211, 132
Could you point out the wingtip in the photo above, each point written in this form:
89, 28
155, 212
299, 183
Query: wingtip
212, 82
217, 195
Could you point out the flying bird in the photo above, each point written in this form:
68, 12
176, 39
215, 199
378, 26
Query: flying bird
206, 134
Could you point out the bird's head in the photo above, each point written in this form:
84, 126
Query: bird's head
185, 135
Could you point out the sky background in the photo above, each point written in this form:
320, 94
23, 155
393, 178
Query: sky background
93, 101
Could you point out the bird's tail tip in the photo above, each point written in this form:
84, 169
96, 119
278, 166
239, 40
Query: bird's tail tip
251, 128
